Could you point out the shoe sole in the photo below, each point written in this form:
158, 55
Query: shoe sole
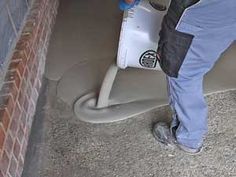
189, 151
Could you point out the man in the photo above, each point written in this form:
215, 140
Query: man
194, 34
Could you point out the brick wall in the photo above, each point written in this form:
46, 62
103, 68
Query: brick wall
20, 90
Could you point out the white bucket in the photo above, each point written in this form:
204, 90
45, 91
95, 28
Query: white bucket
139, 37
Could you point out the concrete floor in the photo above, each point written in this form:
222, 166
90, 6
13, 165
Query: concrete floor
62, 146
83, 45
85, 42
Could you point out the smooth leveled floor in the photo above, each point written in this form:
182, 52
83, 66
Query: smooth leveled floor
60, 145
85, 42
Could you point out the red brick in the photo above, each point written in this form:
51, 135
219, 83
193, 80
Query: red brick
25, 39
23, 119
41, 46
29, 89
31, 61
27, 128
14, 127
39, 35
13, 76
29, 28
8, 144
34, 15
24, 148
4, 163
2, 137
35, 12
39, 49
20, 133
21, 98
13, 166
24, 45
44, 33
33, 77
26, 74
4, 118
1, 174
40, 75
26, 103
19, 55
40, 30
16, 150
34, 96
23, 84
17, 112
15, 120
46, 30
45, 49
31, 109
9, 88
18, 66
51, 23
37, 60
36, 45
22, 93
7, 102
38, 85
20, 166
27, 36
55, 7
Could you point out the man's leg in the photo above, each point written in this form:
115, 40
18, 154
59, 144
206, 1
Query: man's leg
186, 92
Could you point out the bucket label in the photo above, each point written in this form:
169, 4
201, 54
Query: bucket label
148, 59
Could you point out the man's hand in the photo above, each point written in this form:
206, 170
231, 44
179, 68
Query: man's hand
129, 1
127, 4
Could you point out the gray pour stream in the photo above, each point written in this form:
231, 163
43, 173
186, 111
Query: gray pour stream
103, 99
93, 109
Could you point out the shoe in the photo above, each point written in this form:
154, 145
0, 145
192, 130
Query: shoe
162, 134
189, 150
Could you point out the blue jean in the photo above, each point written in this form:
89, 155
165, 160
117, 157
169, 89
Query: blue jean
186, 92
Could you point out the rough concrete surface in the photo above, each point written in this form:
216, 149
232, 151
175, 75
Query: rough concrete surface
63, 146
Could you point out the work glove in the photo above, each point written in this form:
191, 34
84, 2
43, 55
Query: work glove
125, 6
